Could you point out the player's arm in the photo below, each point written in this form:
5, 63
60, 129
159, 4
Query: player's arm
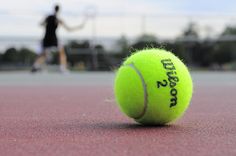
71, 28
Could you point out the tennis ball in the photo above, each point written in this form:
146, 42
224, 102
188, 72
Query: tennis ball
153, 87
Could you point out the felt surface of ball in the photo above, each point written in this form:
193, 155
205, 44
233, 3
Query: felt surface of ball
153, 87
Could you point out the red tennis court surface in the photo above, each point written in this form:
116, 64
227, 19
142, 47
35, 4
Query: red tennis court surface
52, 114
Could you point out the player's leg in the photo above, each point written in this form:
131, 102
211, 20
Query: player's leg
62, 59
39, 61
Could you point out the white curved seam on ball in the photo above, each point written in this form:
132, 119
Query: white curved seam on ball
145, 91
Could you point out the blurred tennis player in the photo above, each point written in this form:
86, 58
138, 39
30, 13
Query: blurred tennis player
50, 40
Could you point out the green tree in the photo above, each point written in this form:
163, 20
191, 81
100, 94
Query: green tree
229, 30
123, 46
191, 30
1, 57
145, 41
189, 43
225, 50
147, 38
26, 56
10, 56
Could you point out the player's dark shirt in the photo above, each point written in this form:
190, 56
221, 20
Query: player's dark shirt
50, 37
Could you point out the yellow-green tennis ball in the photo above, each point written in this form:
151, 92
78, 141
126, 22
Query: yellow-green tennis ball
153, 87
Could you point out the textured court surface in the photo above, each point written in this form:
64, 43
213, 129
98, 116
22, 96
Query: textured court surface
53, 114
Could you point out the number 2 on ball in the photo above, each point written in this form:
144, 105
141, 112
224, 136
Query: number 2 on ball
164, 83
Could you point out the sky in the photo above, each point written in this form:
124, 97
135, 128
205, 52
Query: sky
113, 18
